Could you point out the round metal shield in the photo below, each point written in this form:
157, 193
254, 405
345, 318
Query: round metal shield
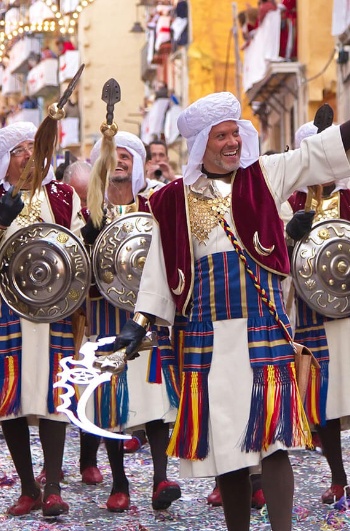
321, 268
45, 272
118, 257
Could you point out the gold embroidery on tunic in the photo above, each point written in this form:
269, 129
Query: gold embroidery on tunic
205, 212
329, 208
31, 212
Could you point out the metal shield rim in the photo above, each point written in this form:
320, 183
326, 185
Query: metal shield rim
128, 306
298, 287
32, 313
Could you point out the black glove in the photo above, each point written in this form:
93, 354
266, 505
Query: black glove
89, 232
10, 207
300, 224
130, 337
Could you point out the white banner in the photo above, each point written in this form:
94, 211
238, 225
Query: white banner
69, 132
264, 47
68, 65
10, 83
42, 76
341, 16
39, 11
153, 123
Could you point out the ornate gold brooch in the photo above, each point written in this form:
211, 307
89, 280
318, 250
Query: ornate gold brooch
205, 212
31, 212
116, 211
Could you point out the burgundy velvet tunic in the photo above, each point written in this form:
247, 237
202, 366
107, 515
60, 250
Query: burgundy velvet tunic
61, 200
253, 210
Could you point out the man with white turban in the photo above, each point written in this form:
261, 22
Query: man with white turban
30, 352
217, 255
154, 405
324, 335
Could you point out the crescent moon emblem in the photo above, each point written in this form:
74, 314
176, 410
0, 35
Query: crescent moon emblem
260, 249
181, 285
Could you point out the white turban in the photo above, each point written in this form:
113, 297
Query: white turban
195, 123
134, 145
304, 131
11, 136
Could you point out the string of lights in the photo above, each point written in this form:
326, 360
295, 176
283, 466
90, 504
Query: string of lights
64, 23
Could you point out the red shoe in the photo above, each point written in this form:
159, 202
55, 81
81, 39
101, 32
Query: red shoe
333, 494
54, 506
258, 499
91, 475
214, 498
25, 504
118, 502
41, 478
133, 445
165, 493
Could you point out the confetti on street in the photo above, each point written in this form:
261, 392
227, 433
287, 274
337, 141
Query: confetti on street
190, 513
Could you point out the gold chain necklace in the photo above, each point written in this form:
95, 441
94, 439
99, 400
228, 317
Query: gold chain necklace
205, 212
31, 212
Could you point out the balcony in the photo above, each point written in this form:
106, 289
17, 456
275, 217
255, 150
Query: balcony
23, 53
42, 80
280, 78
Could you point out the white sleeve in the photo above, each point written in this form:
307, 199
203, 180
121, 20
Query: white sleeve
320, 159
154, 295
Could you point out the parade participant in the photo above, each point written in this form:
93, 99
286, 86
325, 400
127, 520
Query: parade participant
30, 351
258, 500
77, 175
128, 191
157, 162
218, 253
324, 335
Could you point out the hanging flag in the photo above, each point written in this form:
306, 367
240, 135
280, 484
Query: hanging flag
68, 132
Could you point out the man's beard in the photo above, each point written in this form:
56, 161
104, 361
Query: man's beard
118, 179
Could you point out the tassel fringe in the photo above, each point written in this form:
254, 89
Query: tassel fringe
190, 435
272, 416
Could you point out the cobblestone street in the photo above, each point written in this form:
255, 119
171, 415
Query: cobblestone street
190, 513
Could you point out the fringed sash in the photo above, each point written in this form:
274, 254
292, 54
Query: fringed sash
61, 345
296, 431
10, 361
111, 399
222, 291
310, 331
162, 360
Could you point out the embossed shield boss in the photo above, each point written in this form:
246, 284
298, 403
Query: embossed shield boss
321, 268
45, 272
118, 257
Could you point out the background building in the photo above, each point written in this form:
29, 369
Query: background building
282, 63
